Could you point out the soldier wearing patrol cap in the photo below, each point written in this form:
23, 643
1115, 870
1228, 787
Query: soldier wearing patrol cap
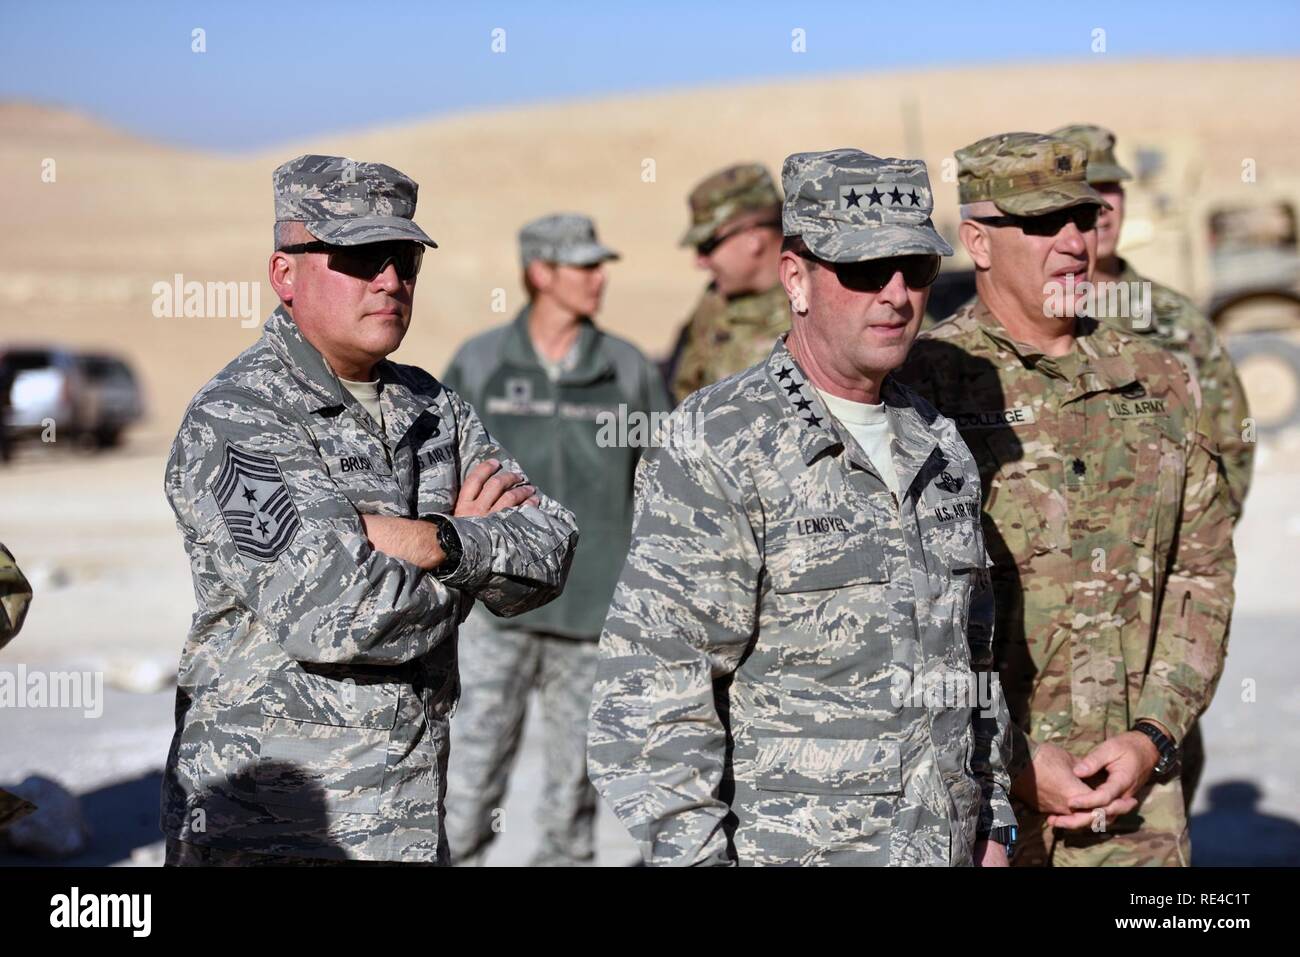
342, 513
1175, 323
545, 385
1106, 518
736, 231
786, 668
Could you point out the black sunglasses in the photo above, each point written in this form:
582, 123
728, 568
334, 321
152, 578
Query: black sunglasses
713, 242
919, 271
369, 259
1048, 224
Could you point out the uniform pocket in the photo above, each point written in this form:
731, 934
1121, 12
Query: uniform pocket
1146, 479
324, 743
438, 481
1158, 479
952, 533
1011, 499
819, 552
828, 766
315, 699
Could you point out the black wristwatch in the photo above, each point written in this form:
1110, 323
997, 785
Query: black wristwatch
449, 542
1164, 744
1006, 836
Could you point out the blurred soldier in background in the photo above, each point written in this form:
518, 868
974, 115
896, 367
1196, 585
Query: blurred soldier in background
552, 386
342, 513
15, 597
1185, 331
1104, 510
736, 232
1175, 324
807, 577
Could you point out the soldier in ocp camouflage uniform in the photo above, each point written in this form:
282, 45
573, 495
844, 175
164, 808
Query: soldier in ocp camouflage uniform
801, 558
1175, 323
1104, 510
314, 688
736, 231
1185, 331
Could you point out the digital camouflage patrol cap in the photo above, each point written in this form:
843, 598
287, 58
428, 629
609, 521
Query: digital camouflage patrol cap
850, 206
568, 239
1025, 174
1100, 145
347, 203
726, 195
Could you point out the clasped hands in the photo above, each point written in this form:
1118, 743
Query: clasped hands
1058, 784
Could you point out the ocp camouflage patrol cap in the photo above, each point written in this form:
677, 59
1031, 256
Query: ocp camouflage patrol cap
347, 203
850, 206
565, 238
1100, 144
1025, 174
726, 195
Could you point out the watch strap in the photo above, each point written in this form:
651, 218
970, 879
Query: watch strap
1006, 836
449, 542
1164, 745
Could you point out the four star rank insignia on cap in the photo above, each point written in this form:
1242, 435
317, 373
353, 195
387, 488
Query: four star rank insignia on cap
867, 195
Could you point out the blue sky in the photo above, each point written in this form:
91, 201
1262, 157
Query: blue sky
281, 71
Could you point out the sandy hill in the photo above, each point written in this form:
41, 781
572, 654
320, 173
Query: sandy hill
79, 256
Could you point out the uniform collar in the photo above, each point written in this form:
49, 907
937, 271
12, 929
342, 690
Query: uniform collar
914, 437
321, 387
1108, 368
304, 362
998, 336
593, 363
1101, 365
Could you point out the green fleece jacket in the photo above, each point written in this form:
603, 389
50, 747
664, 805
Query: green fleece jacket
561, 431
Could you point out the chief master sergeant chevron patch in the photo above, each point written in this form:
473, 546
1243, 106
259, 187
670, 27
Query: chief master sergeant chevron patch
255, 504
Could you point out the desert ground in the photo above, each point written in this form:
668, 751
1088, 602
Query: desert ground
79, 258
